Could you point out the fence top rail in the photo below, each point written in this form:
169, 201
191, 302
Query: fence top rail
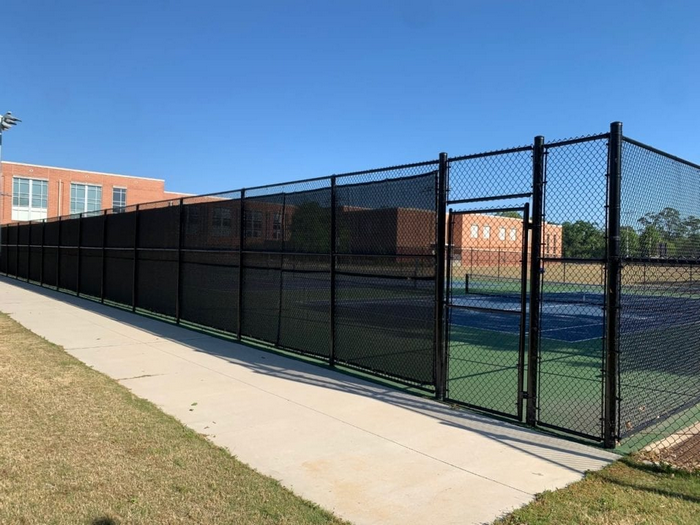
576, 140
490, 153
660, 152
347, 174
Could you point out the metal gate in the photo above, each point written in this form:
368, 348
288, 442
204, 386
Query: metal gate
487, 313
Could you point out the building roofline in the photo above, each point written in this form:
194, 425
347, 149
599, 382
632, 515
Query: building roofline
81, 171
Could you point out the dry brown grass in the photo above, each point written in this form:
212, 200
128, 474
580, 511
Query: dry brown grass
77, 447
625, 493
590, 273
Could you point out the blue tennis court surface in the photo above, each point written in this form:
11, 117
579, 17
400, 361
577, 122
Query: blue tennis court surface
573, 317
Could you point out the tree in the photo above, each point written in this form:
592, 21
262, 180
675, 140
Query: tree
667, 222
650, 241
310, 229
583, 240
629, 241
510, 214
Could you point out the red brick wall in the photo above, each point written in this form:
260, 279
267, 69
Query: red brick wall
138, 189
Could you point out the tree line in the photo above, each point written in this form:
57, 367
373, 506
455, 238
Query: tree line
665, 234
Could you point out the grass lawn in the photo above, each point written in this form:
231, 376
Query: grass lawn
623, 493
77, 447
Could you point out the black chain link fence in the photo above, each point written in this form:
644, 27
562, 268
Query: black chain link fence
340, 268
572, 319
349, 269
486, 195
659, 364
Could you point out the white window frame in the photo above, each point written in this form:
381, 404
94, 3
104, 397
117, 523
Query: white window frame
221, 221
475, 231
513, 234
487, 231
115, 206
85, 186
277, 225
29, 212
502, 233
253, 224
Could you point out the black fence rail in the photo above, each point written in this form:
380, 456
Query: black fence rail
557, 284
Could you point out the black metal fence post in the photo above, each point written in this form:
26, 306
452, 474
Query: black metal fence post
441, 216
523, 308
448, 301
17, 254
241, 237
180, 240
77, 264
135, 287
535, 274
58, 256
331, 355
41, 266
281, 261
612, 286
103, 253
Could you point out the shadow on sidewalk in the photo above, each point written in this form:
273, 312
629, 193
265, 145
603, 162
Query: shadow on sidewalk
571, 455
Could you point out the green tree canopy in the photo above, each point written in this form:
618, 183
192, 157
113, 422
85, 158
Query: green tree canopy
583, 239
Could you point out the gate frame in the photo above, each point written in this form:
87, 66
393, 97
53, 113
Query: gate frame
521, 394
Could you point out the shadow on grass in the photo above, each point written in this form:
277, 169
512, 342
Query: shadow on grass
673, 476
104, 520
570, 455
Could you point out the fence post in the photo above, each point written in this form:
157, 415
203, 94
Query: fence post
440, 349
41, 266
281, 287
612, 286
134, 284
17, 254
103, 253
331, 355
180, 240
523, 308
538, 153
58, 256
29, 252
241, 236
77, 265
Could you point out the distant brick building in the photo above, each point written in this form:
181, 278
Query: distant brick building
30, 192
493, 239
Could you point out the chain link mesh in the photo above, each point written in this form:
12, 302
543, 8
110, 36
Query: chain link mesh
659, 371
343, 268
572, 320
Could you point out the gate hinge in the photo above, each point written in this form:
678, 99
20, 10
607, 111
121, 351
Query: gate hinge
524, 395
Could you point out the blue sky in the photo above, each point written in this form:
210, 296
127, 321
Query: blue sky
215, 95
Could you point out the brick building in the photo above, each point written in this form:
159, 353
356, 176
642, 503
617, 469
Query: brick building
495, 239
30, 192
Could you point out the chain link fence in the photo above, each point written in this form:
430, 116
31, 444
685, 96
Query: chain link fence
659, 359
562, 288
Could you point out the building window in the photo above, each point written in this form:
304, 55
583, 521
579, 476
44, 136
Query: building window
277, 226
29, 199
487, 232
221, 222
502, 234
85, 198
119, 199
253, 224
192, 214
513, 234
475, 231
546, 246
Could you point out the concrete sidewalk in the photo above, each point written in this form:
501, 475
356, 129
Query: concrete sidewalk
368, 453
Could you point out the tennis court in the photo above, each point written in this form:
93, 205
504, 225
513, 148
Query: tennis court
485, 347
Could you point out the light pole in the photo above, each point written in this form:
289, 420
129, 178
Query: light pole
6, 122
